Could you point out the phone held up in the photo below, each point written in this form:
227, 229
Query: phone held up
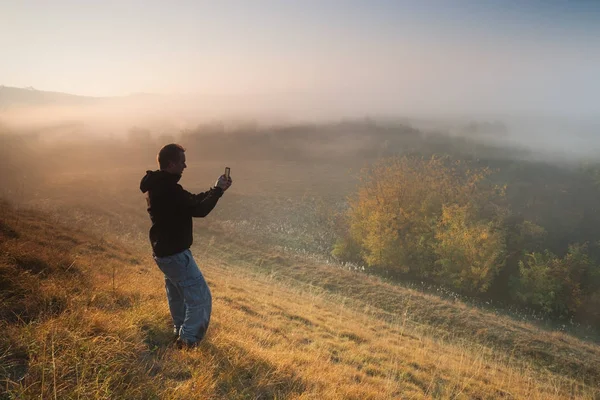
227, 170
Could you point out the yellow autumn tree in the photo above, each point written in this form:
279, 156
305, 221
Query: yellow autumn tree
394, 217
470, 252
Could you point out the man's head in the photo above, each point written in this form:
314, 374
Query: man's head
171, 158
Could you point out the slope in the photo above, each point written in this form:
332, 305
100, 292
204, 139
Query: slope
84, 317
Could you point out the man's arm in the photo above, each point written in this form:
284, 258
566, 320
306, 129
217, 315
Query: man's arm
201, 204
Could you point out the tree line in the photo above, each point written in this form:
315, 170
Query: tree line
523, 232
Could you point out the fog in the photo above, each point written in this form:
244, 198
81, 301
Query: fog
450, 69
54, 116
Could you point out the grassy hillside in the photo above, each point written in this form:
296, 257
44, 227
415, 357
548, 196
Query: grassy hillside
450, 320
86, 317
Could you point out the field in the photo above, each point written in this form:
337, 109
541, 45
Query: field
84, 313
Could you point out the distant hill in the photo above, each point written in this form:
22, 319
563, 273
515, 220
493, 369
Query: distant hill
12, 96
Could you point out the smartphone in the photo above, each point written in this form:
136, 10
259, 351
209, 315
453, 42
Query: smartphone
227, 170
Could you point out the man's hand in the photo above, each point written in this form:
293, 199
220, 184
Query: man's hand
223, 182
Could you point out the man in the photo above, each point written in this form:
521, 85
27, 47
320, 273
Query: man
171, 209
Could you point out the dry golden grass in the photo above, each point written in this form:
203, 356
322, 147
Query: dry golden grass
448, 320
84, 317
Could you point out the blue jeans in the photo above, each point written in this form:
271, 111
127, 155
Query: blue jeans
189, 297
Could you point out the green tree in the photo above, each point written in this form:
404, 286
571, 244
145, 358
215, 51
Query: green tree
552, 283
538, 286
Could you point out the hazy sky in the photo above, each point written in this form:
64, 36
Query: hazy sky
387, 56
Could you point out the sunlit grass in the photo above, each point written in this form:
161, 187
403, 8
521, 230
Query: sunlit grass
280, 329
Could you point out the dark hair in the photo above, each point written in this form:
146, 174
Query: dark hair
169, 153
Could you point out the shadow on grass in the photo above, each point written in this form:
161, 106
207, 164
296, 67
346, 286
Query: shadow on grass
240, 374
235, 371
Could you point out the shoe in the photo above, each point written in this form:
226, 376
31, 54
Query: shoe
184, 344
176, 330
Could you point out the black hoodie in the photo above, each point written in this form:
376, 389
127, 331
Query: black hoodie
171, 209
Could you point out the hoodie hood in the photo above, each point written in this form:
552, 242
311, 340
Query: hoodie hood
157, 178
